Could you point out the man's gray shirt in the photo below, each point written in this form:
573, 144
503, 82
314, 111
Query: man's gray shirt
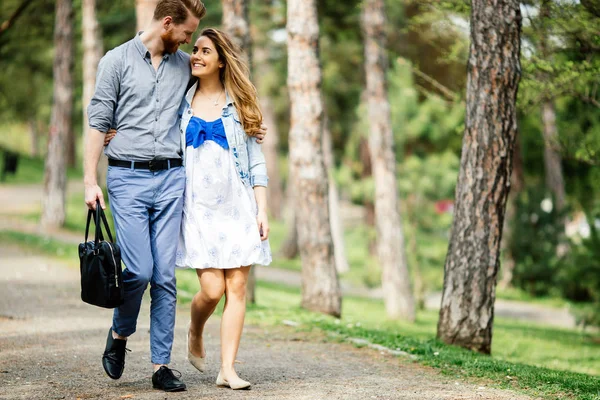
141, 103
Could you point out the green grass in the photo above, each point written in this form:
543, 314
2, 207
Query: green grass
31, 171
41, 244
540, 361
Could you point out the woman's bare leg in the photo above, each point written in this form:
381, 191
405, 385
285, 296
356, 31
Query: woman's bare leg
212, 287
232, 322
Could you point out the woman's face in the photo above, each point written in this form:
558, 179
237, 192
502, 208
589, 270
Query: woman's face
205, 59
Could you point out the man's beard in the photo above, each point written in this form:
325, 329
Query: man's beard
170, 45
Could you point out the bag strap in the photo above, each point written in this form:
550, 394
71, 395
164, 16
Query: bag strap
98, 214
103, 216
98, 236
87, 224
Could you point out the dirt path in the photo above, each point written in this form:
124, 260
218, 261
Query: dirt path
51, 344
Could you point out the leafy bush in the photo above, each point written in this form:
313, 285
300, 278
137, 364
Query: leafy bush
534, 242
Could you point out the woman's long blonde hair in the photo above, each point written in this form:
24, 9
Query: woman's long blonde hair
235, 76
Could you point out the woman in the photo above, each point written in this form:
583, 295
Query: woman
225, 226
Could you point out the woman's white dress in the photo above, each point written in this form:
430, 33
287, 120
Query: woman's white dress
219, 228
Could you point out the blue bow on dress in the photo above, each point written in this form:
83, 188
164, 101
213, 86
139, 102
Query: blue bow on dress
198, 131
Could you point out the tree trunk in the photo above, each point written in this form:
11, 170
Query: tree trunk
34, 140
552, 159
467, 309
320, 286
398, 297
289, 248
367, 172
270, 148
517, 183
235, 22
337, 227
144, 11
92, 53
53, 203
271, 143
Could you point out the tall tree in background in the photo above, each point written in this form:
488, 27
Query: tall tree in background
337, 228
517, 184
92, 53
144, 10
236, 23
320, 285
262, 50
399, 300
53, 202
555, 181
472, 262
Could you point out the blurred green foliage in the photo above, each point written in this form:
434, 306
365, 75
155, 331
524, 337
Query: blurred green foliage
428, 44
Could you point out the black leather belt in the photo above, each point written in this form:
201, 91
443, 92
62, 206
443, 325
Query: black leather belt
152, 165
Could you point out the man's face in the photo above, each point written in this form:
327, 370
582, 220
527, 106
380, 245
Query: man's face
175, 35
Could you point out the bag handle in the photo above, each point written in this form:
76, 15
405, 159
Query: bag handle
98, 213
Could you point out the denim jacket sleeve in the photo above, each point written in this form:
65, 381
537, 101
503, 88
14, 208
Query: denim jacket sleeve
257, 167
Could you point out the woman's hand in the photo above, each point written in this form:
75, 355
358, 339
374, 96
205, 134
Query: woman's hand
109, 136
260, 135
263, 225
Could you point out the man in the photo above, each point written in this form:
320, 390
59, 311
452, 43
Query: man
139, 88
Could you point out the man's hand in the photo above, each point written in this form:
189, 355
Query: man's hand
263, 225
260, 136
109, 136
93, 192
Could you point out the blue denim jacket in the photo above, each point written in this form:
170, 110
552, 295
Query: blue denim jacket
248, 156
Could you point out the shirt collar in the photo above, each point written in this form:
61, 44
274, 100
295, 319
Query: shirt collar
142, 49
137, 41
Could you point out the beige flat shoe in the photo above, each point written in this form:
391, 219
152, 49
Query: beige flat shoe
198, 362
235, 385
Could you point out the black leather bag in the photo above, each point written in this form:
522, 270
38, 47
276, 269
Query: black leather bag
100, 265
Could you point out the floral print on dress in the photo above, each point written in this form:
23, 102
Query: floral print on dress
219, 228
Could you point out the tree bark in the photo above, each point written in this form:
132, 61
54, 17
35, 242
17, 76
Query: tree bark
144, 11
53, 202
92, 53
472, 262
320, 285
337, 228
398, 296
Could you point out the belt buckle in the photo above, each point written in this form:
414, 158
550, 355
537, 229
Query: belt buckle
152, 166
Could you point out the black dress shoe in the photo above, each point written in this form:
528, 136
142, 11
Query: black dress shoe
113, 359
164, 379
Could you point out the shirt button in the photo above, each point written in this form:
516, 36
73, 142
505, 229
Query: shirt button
156, 118
157, 100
